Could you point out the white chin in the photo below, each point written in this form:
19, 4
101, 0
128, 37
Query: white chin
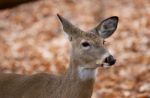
106, 65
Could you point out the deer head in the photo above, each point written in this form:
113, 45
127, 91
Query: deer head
88, 48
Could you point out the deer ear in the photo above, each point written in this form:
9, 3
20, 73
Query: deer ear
69, 28
107, 27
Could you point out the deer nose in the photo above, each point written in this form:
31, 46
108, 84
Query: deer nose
110, 60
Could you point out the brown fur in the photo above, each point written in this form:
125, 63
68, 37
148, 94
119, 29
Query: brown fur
44, 86
69, 85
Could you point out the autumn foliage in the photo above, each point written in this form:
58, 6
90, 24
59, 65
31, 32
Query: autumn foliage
32, 40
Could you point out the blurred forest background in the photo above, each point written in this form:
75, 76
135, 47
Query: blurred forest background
32, 40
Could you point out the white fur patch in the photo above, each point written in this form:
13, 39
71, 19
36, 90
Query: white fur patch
66, 35
106, 65
86, 73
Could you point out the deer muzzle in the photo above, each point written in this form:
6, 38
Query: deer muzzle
110, 60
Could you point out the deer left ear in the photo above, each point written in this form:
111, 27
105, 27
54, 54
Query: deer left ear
69, 28
107, 27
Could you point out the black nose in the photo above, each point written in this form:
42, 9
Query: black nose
110, 60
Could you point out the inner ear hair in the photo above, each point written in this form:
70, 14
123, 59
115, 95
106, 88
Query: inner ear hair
107, 27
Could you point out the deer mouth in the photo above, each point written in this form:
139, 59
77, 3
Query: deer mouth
106, 65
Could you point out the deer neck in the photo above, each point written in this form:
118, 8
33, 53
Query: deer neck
77, 70
80, 81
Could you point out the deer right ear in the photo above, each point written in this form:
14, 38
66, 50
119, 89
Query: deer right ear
69, 28
107, 27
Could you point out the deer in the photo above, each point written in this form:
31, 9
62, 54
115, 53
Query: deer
88, 53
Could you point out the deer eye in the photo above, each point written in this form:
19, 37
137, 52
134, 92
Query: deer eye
85, 45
